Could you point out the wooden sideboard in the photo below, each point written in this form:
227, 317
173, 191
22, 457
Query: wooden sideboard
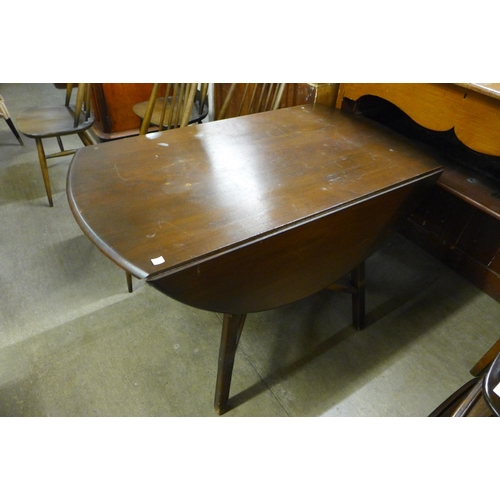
459, 219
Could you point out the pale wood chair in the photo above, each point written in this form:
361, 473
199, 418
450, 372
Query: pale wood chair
173, 105
255, 98
43, 122
4, 113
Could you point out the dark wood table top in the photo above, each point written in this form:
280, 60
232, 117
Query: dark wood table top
186, 194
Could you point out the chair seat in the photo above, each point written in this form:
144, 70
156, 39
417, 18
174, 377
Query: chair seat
140, 110
51, 121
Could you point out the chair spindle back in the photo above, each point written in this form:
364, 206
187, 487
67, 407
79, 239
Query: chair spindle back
256, 97
176, 105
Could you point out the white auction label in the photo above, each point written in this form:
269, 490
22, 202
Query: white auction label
159, 260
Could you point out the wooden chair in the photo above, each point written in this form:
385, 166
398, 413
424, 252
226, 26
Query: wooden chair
180, 105
255, 98
57, 121
4, 113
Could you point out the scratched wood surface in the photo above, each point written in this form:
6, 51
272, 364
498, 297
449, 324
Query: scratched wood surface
188, 193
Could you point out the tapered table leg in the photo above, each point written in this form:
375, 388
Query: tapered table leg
358, 297
231, 330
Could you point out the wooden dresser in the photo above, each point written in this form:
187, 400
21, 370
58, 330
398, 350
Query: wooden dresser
459, 219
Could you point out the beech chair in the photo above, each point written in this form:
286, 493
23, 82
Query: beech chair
180, 104
255, 98
4, 113
44, 122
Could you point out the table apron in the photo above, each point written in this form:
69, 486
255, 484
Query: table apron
294, 263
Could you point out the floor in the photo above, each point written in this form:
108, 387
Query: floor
74, 342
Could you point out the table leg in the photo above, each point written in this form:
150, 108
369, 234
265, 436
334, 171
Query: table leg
232, 327
358, 297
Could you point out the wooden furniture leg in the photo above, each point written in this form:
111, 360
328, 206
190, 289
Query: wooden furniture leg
45, 171
356, 287
231, 331
85, 138
14, 130
129, 282
87, 141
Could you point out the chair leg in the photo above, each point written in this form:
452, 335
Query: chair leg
14, 130
231, 331
45, 170
129, 282
85, 138
69, 90
358, 297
